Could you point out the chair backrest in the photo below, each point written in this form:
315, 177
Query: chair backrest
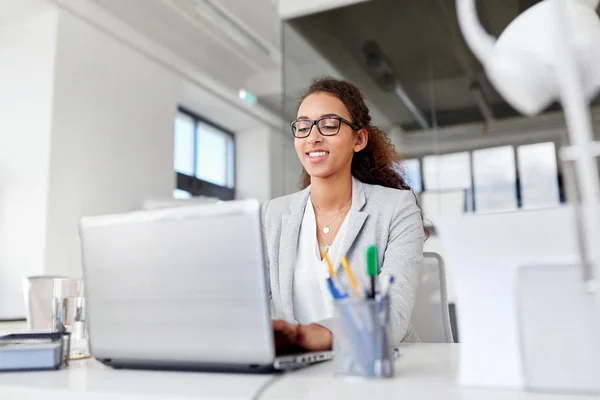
430, 316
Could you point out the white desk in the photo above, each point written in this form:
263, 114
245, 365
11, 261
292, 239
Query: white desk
91, 380
423, 371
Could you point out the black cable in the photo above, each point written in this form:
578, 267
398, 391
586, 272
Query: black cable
261, 390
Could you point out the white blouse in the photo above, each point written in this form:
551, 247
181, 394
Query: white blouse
311, 298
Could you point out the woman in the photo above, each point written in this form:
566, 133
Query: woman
353, 197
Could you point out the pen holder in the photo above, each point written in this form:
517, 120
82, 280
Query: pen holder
360, 341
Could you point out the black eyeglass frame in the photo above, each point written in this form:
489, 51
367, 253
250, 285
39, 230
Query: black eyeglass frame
314, 122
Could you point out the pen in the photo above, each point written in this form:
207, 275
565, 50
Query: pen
335, 293
385, 287
350, 276
372, 267
329, 266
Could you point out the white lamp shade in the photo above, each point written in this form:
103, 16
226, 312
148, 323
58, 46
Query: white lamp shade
528, 89
521, 64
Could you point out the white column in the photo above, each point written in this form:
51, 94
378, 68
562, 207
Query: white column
112, 135
253, 164
27, 54
266, 164
285, 167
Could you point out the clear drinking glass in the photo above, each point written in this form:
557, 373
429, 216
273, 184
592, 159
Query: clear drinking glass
68, 315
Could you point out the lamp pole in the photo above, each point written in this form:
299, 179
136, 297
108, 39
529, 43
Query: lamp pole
581, 152
558, 70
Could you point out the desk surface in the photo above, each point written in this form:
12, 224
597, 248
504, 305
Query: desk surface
89, 379
423, 371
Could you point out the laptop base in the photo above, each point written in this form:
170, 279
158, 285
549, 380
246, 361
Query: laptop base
280, 364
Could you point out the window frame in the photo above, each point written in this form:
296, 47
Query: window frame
516, 183
559, 183
471, 205
402, 170
199, 187
425, 185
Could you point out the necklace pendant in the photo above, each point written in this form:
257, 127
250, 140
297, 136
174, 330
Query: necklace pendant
327, 248
326, 229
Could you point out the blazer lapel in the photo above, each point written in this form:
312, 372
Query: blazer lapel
290, 231
356, 217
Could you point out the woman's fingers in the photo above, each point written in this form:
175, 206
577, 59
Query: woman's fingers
285, 334
314, 337
278, 325
310, 337
284, 328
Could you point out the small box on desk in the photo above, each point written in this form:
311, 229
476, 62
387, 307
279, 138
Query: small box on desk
32, 351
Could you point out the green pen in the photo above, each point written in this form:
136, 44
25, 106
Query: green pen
372, 267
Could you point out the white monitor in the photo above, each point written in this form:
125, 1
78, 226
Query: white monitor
485, 253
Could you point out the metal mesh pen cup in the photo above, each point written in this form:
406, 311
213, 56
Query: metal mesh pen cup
361, 342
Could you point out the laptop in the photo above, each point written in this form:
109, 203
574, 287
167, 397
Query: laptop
181, 288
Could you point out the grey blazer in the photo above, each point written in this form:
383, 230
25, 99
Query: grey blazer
388, 218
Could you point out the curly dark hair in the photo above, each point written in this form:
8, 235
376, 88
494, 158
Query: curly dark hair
378, 162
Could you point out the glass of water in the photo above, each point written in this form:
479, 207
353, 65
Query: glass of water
68, 315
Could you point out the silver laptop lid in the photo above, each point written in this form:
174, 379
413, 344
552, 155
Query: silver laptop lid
178, 285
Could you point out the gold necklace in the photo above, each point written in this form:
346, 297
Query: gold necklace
326, 229
328, 243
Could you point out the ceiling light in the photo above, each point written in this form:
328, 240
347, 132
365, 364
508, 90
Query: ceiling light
247, 96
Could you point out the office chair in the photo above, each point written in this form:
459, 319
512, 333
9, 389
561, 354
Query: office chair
430, 316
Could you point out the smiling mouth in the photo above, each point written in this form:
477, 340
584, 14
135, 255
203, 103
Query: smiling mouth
317, 154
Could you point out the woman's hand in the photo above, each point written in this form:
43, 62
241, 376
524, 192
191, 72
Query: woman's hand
311, 337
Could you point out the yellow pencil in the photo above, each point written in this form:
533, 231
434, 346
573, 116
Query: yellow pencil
350, 276
331, 270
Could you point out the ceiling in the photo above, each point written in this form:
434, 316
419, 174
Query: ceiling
11, 11
233, 41
422, 43
210, 46
243, 44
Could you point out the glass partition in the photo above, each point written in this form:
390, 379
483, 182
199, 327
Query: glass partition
430, 94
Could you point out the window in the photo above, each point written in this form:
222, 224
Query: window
181, 194
448, 171
213, 161
537, 173
411, 170
446, 185
495, 180
486, 180
184, 143
204, 158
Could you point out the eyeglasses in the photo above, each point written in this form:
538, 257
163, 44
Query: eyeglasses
327, 126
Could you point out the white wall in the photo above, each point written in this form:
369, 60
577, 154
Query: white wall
252, 162
293, 169
12, 11
112, 135
266, 164
297, 8
27, 51
285, 166
86, 127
